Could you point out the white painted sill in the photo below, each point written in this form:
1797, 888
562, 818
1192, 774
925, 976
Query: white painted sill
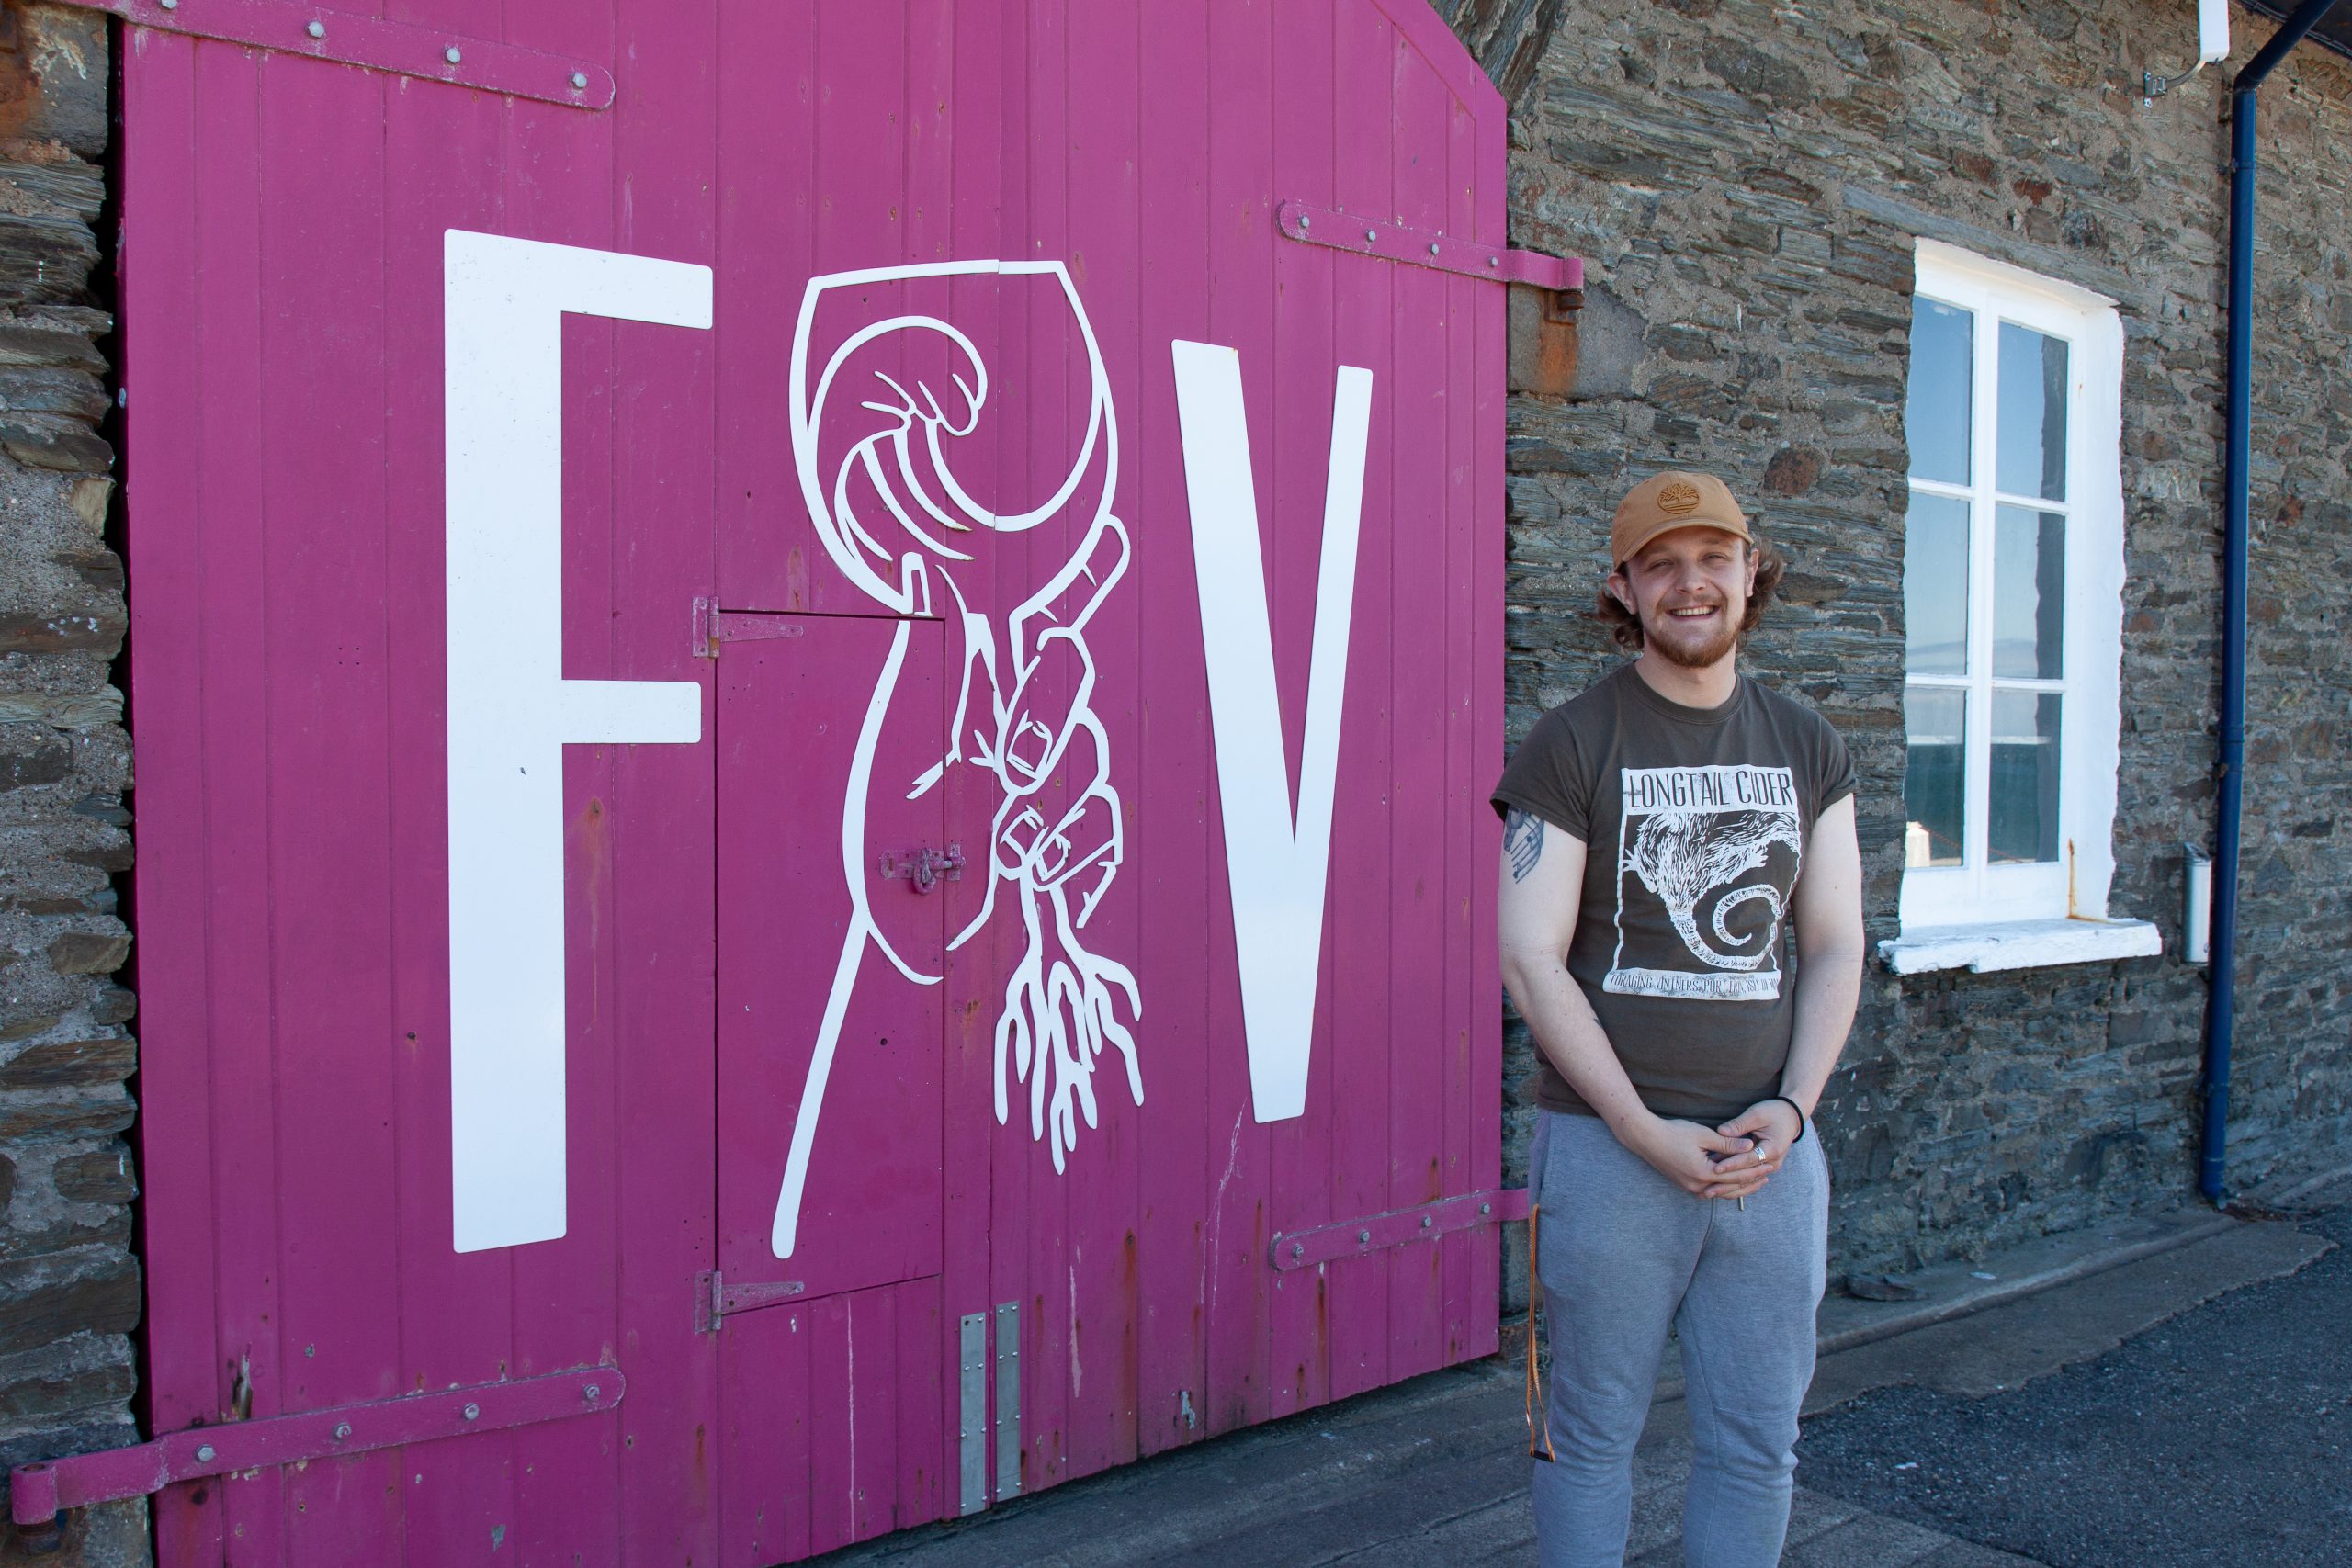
2019, 944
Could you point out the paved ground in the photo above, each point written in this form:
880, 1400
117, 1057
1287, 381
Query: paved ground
2223, 1436
2218, 1432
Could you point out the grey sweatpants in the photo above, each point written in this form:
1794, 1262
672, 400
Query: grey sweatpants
1623, 1253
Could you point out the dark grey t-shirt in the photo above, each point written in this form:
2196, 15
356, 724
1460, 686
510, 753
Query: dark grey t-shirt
1695, 821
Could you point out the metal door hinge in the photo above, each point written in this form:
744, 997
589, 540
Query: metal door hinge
716, 1300
1300, 1250
1428, 247
715, 628
401, 49
925, 867
38, 1493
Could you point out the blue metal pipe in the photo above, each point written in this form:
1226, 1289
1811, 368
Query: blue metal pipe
2222, 993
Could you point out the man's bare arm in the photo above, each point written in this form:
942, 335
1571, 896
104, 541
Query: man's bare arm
1829, 908
1543, 888
1829, 953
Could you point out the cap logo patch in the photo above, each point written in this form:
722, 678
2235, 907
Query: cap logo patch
1678, 499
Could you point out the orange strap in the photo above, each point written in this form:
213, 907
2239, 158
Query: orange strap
1537, 1447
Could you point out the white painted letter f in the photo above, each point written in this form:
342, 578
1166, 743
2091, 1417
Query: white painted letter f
1276, 868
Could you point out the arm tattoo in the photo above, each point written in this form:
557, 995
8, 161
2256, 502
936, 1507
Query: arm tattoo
1523, 842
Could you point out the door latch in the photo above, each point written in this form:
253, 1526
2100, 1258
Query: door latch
926, 866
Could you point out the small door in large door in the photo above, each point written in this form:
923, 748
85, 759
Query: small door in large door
833, 866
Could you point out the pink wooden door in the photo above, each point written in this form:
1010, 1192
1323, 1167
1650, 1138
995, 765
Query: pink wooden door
957, 470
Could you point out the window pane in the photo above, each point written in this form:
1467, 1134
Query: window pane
2029, 593
1935, 416
2030, 455
1935, 783
1935, 585
2022, 817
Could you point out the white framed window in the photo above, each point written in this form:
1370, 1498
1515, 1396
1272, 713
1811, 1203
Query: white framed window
2013, 602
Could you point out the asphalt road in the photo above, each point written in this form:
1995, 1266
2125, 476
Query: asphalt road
2220, 1437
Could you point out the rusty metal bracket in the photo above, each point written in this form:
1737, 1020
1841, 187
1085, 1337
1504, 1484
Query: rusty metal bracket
716, 1300
1371, 236
402, 48
1353, 1238
38, 1492
715, 627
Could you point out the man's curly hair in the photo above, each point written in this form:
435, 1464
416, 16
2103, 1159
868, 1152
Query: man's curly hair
1626, 626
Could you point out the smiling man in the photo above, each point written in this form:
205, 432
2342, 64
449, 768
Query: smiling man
1662, 831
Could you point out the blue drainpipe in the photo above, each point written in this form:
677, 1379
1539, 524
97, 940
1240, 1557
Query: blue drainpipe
2220, 997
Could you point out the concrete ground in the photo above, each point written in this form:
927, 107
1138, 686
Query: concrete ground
2046, 1422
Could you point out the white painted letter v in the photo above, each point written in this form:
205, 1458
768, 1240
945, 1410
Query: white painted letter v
1276, 868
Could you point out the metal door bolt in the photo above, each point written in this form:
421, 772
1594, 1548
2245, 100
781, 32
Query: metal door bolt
1363, 1235
1370, 235
316, 29
592, 1393
452, 55
472, 1411
204, 1454
342, 1430
580, 81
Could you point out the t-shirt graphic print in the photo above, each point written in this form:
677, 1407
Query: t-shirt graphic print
1710, 849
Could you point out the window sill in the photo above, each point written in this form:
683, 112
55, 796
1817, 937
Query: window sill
2019, 944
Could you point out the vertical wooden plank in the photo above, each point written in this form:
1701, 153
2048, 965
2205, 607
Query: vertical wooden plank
920, 1489
164, 145
1484, 1005
243, 1050
763, 1438
1240, 315
557, 182
1463, 1103
1365, 816
1183, 1141
442, 168
328, 767
1416, 624
833, 1438
660, 809
957, 85
1041, 412
1100, 196
1306, 358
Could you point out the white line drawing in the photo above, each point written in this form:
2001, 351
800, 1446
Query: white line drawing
1062, 999
1276, 867
1700, 829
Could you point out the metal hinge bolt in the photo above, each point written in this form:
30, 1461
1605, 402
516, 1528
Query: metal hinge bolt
316, 29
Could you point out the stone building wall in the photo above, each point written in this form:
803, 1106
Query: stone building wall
69, 1281
1745, 182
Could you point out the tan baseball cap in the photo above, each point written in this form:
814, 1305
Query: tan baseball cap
1672, 499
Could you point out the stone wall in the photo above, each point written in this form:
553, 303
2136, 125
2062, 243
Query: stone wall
1745, 182
69, 1284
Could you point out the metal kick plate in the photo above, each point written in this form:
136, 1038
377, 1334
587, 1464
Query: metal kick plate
971, 1433
1008, 1401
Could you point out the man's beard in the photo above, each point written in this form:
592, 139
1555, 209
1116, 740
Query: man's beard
1694, 656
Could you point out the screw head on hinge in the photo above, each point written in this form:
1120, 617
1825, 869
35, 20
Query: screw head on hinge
452, 55
204, 1454
472, 1412
580, 81
342, 1430
592, 1393
316, 29
1363, 1235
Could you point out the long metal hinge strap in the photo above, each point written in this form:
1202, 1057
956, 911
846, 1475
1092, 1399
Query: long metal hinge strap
1371, 236
1352, 1238
402, 48
38, 1492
